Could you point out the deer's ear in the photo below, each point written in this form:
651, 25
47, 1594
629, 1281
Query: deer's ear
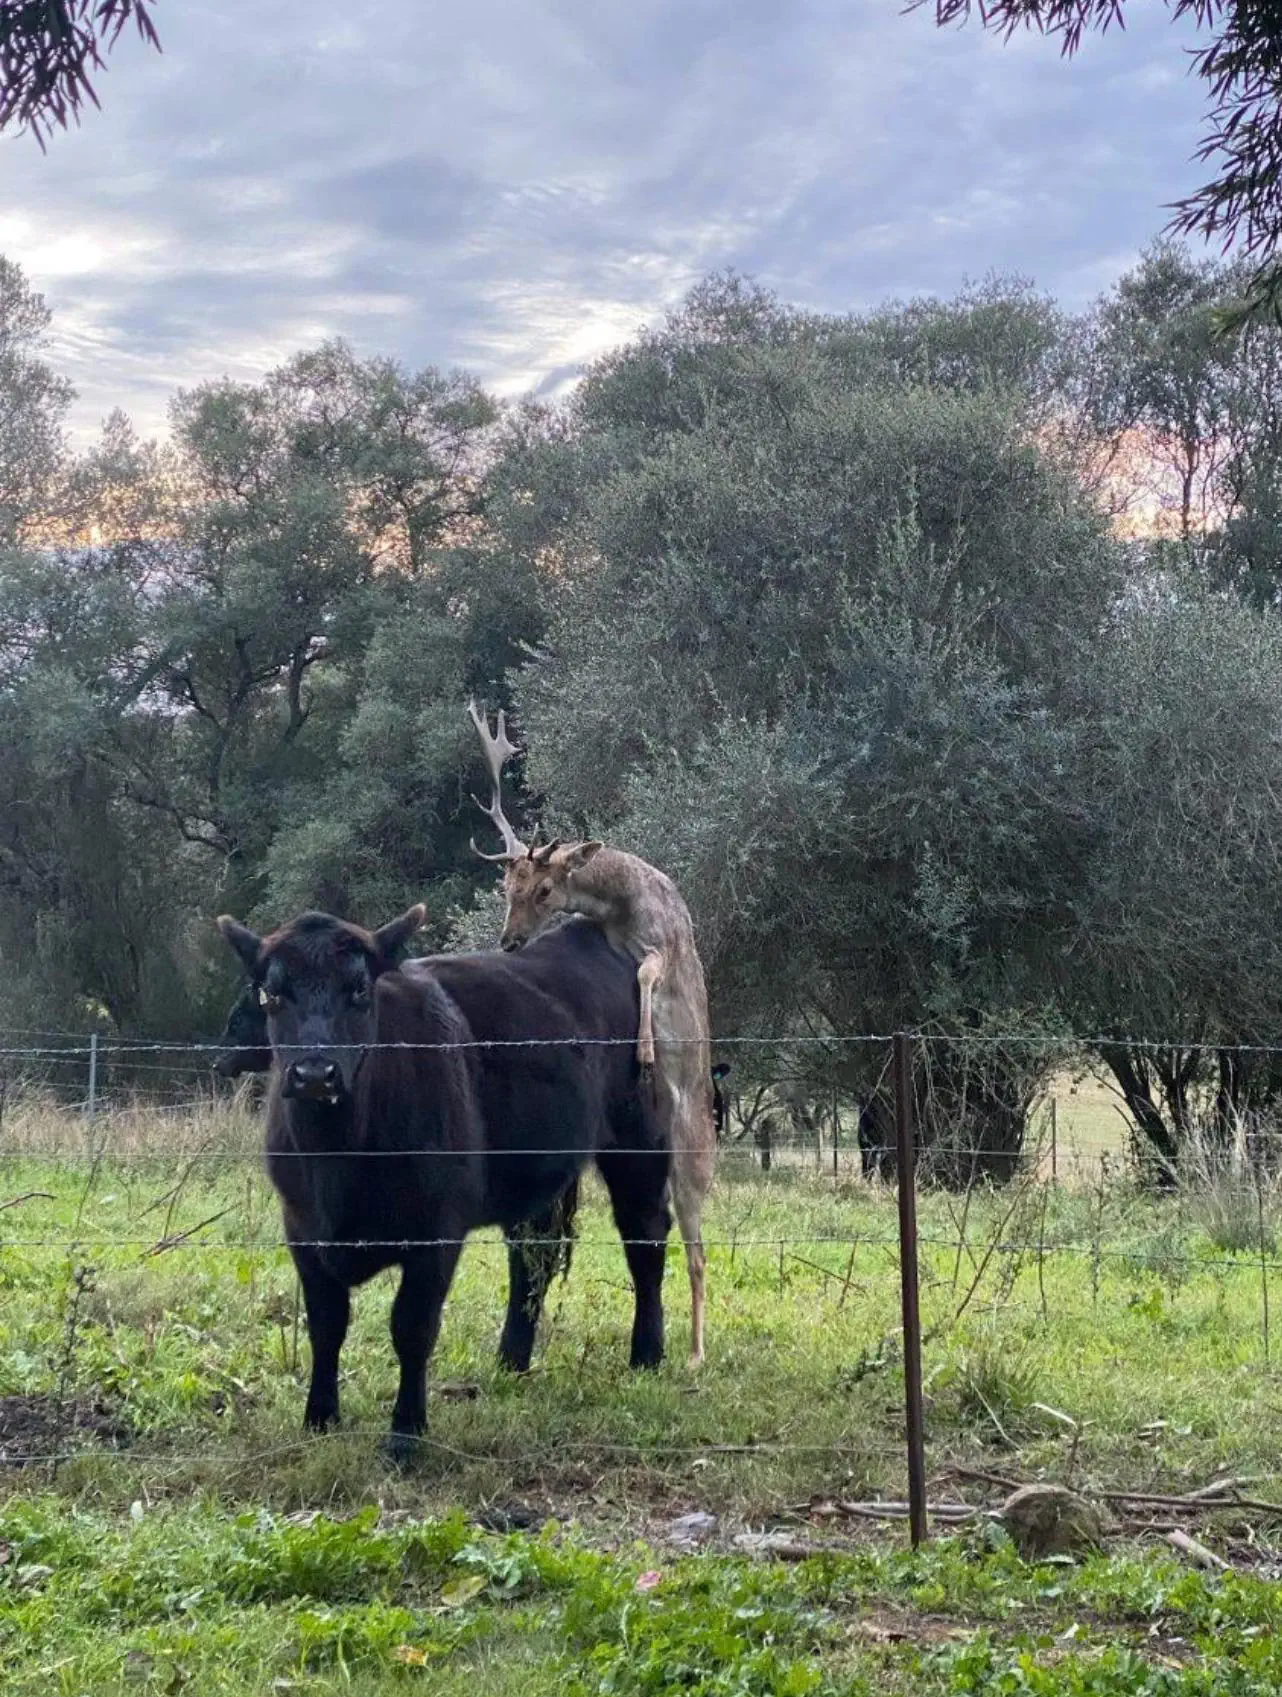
579, 854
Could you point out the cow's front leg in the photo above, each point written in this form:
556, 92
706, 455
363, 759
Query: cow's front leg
329, 1305
416, 1321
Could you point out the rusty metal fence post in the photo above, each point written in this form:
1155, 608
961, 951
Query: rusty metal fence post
915, 1421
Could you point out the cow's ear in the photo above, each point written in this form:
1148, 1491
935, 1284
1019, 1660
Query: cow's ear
389, 938
246, 943
579, 854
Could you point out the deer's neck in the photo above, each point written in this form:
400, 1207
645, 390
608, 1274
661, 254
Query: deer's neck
608, 891
605, 907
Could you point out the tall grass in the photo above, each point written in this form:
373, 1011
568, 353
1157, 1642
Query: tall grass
1231, 1186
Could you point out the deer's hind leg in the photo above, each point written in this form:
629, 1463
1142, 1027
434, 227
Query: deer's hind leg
649, 973
687, 1205
693, 1159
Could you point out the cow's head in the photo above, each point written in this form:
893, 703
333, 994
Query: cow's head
244, 1044
314, 979
537, 881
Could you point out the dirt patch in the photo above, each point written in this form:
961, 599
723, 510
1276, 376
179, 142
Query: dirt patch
37, 1428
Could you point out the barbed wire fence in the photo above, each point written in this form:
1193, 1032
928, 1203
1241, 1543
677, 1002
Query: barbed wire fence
946, 1116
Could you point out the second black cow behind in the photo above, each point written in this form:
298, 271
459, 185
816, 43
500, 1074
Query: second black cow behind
411, 1105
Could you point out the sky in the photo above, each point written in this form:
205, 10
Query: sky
514, 186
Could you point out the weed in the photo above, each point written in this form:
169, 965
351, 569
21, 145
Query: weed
994, 1388
1228, 1192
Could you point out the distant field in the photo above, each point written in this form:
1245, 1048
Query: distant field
1088, 1123
1089, 1120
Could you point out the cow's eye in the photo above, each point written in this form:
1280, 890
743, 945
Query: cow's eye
358, 996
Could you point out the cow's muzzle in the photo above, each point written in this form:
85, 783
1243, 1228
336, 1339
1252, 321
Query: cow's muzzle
313, 1078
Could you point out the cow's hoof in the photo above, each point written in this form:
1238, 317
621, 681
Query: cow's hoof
403, 1450
514, 1364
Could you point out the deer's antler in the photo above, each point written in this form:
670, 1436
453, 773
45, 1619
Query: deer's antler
497, 750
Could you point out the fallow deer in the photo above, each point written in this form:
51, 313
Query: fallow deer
642, 913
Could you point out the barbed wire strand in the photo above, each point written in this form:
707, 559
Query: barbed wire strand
1248, 1262
79, 1043
798, 1150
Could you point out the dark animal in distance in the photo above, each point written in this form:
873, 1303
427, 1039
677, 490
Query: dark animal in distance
244, 1044
720, 1107
389, 1140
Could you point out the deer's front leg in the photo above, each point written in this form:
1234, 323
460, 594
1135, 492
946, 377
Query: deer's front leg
649, 974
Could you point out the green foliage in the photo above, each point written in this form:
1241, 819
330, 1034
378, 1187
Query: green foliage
36, 400
963, 1618
770, 631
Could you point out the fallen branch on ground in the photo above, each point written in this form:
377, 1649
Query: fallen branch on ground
1197, 1553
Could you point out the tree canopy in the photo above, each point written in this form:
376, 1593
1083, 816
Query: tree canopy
1241, 65
50, 51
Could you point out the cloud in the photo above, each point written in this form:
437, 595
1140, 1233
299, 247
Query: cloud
515, 185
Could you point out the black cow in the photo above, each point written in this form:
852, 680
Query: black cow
244, 1044
388, 1144
720, 1107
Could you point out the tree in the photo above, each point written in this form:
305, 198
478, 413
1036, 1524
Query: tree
1178, 944
1194, 418
813, 622
232, 672
35, 404
48, 51
368, 804
91, 895
1241, 65
304, 507
1164, 382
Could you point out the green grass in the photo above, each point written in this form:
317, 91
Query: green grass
197, 1599
1088, 1335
